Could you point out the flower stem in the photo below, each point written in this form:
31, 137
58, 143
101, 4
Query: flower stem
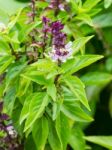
33, 10
33, 20
57, 8
12, 51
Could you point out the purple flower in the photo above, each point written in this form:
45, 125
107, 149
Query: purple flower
56, 26
46, 27
59, 38
45, 20
56, 4
60, 50
4, 117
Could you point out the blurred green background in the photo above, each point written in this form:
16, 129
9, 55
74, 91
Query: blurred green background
10, 6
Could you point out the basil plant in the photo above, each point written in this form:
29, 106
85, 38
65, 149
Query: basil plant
41, 51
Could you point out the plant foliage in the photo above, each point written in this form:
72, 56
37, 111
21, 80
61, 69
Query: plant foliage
42, 51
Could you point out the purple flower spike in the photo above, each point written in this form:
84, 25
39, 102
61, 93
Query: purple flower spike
45, 20
57, 27
59, 38
46, 27
60, 50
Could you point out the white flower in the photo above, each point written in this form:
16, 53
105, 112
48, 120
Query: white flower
12, 132
62, 54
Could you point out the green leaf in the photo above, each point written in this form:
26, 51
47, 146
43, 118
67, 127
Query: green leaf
110, 105
77, 87
68, 95
40, 133
36, 72
41, 4
4, 47
26, 30
89, 4
5, 61
76, 140
39, 79
74, 5
105, 141
23, 86
63, 129
79, 43
85, 18
48, 147
15, 117
109, 64
103, 20
9, 100
25, 109
13, 39
107, 3
51, 91
74, 112
14, 20
56, 109
96, 78
2, 134
79, 62
44, 65
29, 143
36, 109
72, 29
53, 138
54, 72
13, 72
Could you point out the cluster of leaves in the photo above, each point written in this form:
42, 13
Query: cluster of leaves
46, 100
